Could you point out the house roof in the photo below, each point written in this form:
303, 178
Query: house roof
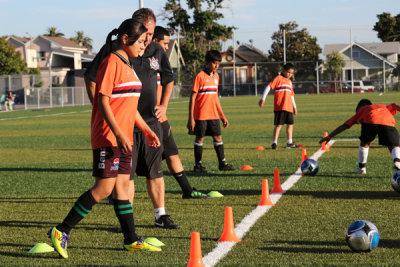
171, 45
248, 53
22, 40
63, 42
378, 48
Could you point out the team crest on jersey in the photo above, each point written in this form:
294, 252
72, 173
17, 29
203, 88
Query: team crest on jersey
154, 63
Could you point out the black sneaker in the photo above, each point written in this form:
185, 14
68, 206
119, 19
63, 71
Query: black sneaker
292, 145
195, 194
274, 146
165, 222
226, 167
200, 168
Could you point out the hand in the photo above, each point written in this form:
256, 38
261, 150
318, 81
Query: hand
124, 144
225, 122
191, 124
325, 139
160, 111
261, 103
295, 111
152, 139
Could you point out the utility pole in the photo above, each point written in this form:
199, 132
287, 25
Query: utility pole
140, 3
351, 57
284, 46
234, 65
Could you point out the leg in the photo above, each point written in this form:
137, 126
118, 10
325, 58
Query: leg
156, 191
289, 133
363, 150
219, 149
198, 154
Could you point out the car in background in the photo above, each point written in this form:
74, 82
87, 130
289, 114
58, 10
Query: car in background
366, 86
344, 87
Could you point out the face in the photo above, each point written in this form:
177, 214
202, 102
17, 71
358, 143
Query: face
150, 25
164, 43
137, 48
288, 73
213, 66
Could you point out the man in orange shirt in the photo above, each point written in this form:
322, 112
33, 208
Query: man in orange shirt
375, 120
205, 111
284, 105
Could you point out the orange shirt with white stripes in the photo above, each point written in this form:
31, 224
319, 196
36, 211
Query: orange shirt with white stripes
120, 83
283, 92
159, 95
373, 114
205, 105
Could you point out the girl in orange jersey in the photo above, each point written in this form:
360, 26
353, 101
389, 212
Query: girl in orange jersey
113, 118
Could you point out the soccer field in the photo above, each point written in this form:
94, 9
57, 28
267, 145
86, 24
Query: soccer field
46, 164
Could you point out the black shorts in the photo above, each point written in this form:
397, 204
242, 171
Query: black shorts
388, 135
147, 161
168, 141
207, 128
108, 162
283, 117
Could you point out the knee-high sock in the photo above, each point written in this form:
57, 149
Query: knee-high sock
183, 182
219, 149
198, 152
362, 156
124, 212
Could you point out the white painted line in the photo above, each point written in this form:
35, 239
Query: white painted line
45, 115
223, 248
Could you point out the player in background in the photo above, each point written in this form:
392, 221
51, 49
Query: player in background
375, 120
147, 161
113, 115
205, 111
284, 105
170, 153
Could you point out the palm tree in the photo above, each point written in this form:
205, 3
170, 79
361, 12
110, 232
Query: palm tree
52, 31
82, 40
334, 65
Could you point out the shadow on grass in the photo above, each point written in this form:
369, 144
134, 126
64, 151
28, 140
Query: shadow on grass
43, 170
307, 246
346, 194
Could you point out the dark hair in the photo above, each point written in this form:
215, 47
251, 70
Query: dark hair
143, 15
160, 32
131, 27
363, 102
288, 66
213, 55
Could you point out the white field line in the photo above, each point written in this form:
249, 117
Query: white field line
45, 115
223, 248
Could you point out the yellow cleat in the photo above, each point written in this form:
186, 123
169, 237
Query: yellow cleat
59, 240
141, 245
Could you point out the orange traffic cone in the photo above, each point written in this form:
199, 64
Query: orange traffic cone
260, 148
196, 259
246, 168
228, 235
265, 198
304, 156
277, 189
325, 146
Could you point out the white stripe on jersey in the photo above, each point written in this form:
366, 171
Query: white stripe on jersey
208, 87
283, 89
125, 95
208, 93
128, 84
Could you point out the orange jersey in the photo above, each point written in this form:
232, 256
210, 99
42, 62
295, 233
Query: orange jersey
205, 105
373, 114
159, 95
119, 82
283, 92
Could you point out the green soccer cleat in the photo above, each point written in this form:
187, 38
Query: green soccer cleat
195, 194
141, 245
59, 240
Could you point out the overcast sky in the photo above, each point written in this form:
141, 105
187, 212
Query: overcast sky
327, 20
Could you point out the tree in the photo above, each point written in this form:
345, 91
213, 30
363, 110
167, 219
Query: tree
52, 31
334, 65
82, 40
388, 27
10, 60
199, 32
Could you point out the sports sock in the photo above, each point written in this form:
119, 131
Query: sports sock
274, 142
183, 182
396, 153
124, 212
289, 141
219, 149
362, 156
159, 212
79, 211
198, 153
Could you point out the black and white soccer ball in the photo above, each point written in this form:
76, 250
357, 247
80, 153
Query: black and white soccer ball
309, 167
362, 236
395, 181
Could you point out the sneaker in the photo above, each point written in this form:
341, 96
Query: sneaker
195, 194
361, 170
59, 240
165, 222
226, 167
274, 146
200, 168
292, 145
396, 164
141, 245
110, 200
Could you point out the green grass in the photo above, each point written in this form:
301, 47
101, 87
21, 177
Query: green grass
46, 164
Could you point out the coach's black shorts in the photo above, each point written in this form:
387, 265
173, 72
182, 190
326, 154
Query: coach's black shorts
168, 141
147, 161
283, 117
388, 135
207, 128
108, 162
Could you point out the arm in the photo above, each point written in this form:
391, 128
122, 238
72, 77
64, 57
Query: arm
224, 120
90, 88
335, 132
161, 109
294, 106
123, 141
264, 95
191, 121
151, 137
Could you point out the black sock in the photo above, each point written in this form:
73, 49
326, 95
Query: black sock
219, 149
183, 182
79, 211
198, 154
362, 165
124, 212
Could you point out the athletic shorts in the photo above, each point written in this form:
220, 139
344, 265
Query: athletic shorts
283, 117
147, 161
207, 128
108, 162
168, 141
388, 135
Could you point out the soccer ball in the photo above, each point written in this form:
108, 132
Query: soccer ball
362, 236
309, 167
395, 181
